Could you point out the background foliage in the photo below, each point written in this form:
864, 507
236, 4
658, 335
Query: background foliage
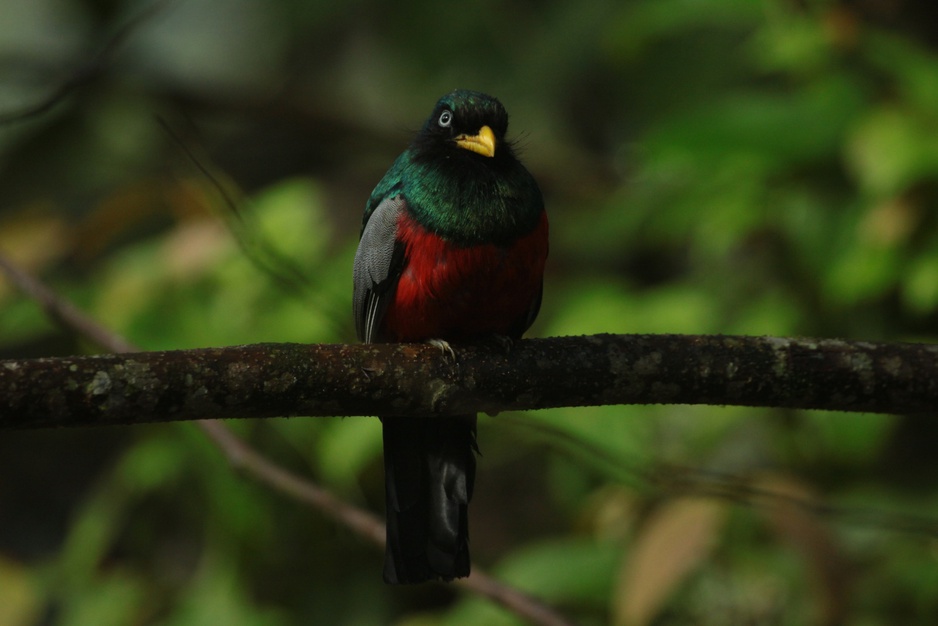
710, 166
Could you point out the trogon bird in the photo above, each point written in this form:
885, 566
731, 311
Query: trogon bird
453, 246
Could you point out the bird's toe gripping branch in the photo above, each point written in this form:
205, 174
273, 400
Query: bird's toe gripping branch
444, 347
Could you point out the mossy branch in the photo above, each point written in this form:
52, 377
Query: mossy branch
270, 380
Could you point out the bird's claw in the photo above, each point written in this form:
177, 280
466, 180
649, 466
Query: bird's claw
444, 347
504, 342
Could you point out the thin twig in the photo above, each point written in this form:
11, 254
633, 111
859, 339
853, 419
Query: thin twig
513, 599
63, 311
283, 270
87, 71
241, 456
244, 457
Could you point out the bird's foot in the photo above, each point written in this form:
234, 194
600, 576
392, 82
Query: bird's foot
504, 342
444, 347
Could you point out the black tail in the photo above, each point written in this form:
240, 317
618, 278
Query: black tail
429, 467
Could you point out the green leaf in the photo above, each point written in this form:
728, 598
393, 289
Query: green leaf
596, 307
345, 447
290, 217
572, 569
114, 599
852, 438
642, 23
891, 148
774, 129
609, 437
217, 595
792, 41
910, 64
152, 463
862, 271
19, 594
920, 284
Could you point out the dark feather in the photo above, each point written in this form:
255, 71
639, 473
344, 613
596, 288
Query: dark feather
429, 467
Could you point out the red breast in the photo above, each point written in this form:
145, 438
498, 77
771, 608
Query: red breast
452, 292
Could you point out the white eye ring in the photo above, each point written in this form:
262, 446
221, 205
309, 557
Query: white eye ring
446, 118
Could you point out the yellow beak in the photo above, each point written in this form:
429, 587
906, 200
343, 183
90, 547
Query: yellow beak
483, 143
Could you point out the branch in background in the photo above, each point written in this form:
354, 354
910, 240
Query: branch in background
243, 457
63, 311
258, 249
88, 71
277, 380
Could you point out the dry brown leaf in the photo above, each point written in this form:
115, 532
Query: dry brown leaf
194, 247
670, 545
33, 238
787, 514
19, 597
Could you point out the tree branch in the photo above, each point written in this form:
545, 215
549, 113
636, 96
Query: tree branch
274, 380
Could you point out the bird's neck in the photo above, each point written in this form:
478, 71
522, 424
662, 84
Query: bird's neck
470, 202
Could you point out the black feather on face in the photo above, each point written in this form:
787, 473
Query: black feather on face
457, 114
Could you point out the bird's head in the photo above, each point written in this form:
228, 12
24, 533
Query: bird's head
465, 120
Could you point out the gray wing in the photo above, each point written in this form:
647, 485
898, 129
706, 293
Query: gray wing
379, 261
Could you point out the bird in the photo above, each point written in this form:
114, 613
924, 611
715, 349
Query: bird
453, 245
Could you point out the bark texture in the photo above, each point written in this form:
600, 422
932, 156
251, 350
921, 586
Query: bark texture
269, 380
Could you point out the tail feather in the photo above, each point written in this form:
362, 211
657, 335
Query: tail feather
429, 474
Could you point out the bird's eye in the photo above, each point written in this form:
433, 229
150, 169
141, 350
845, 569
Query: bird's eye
446, 118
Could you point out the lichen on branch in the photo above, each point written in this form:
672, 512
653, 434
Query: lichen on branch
272, 380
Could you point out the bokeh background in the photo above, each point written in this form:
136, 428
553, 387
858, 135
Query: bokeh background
709, 166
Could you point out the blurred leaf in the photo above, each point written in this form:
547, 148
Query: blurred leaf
468, 612
563, 570
45, 30
345, 447
21, 320
611, 512
33, 238
616, 438
771, 313
860, 272
185, 49
194, 288
91, 534
808, 536
235, 512
851, 438
765, 128
672, 543
114, 599
920, 284
907, 62
792, 40
642, 23
594, 307
218, 596
291, 217
589, 308
194, 249
19, 596
866, 257
152, 463
891, 148
128, 287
